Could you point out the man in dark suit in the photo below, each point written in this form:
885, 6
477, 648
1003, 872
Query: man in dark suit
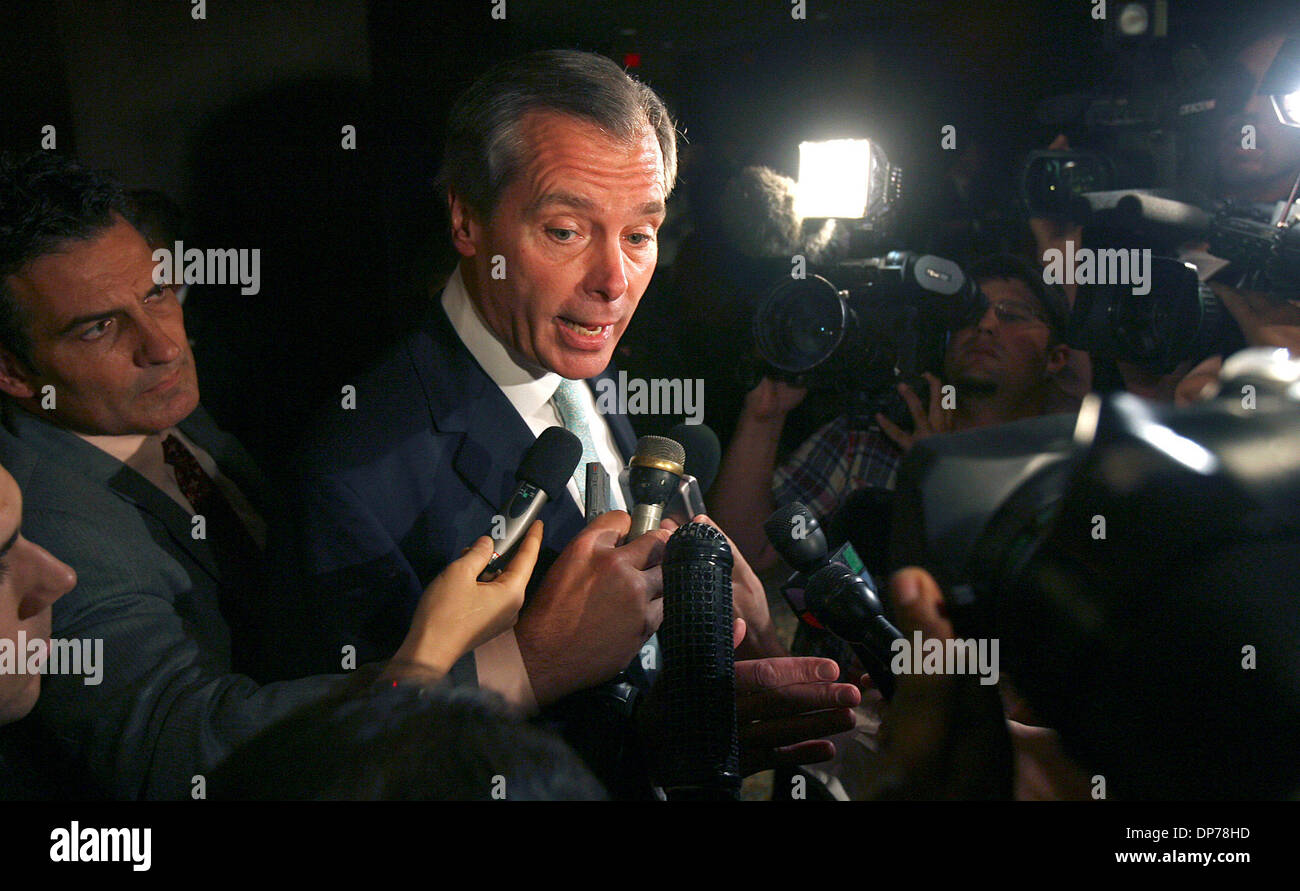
127, 479
557, 169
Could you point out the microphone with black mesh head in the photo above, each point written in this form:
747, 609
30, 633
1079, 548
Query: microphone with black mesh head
653, 475
797, 536
699, 754
847, 605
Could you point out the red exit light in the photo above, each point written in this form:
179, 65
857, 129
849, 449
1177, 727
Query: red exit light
631, 60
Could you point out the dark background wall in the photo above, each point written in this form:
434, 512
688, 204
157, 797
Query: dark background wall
238, 117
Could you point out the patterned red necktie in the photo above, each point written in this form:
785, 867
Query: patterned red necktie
237, 554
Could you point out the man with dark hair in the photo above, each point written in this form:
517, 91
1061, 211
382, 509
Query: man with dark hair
557, 169
405, 742
1000, 366
158, 511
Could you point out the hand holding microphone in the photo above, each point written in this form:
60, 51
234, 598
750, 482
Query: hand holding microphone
458, 613
598, 603
542, 476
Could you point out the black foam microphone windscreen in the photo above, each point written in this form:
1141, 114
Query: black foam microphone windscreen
543, 476
797, 536
699, 756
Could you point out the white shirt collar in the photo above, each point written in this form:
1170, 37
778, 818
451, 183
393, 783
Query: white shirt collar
527, 387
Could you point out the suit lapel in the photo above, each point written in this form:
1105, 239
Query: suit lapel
100, 468
624, 435
461, 398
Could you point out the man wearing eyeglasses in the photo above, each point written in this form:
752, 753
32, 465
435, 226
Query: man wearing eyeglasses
1001, 368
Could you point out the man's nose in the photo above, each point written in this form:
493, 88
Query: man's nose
607, 275
156, 347
39, 576
988, 321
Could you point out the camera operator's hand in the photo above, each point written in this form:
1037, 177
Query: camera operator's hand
773, 400
597, 605
944, 736
457, 612
927, 421
741, 496
1202, 382
1263, 322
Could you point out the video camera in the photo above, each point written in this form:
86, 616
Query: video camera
883, 319
1146, 180
860, 325
1134, 564
1178, 317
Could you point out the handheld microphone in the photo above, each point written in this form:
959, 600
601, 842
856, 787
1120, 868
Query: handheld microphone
700, 753
797, 536
703, 455
543, 475
653, 474
847, 605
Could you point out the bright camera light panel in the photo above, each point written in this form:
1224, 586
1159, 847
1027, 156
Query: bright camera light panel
834, 178
1288, 108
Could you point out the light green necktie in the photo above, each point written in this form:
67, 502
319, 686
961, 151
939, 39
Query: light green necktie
568, 403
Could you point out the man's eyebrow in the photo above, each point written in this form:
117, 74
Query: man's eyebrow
567, 199
92, 317
4, 548
106, 314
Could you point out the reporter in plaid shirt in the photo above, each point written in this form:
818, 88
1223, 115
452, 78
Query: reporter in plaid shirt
1003, 367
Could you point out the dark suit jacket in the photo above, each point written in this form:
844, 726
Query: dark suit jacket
392, 491
168, 707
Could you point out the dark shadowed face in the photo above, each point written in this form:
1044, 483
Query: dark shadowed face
1011, 355
108, 340
30, 581
1275, 158
576, 236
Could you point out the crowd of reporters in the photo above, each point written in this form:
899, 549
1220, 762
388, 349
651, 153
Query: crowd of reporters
325, 636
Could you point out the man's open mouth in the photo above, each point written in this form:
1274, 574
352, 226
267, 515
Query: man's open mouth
586, 330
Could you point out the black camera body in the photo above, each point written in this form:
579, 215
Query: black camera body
1136, 564
863, 325
1179, 318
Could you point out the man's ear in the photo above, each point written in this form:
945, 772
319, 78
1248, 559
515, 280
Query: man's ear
466, 230
15, 376
1057, 356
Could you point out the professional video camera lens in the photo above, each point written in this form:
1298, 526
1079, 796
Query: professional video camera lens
800, 323
1179, 319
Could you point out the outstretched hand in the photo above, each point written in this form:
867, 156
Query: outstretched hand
926, 421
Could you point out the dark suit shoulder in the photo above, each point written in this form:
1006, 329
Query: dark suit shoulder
384, 406
49, 485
